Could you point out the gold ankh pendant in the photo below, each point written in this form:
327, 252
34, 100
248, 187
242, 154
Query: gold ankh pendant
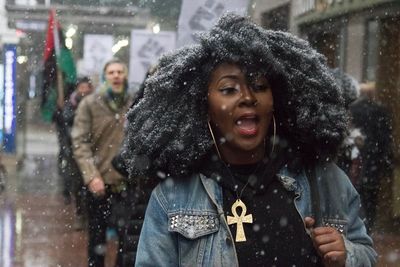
239, 220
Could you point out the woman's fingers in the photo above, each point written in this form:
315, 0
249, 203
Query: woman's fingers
309, 222
330, 245
335, 259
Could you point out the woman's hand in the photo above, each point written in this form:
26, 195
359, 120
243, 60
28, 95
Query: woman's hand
329, 243
97, 187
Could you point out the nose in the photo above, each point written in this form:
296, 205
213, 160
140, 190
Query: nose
247, 97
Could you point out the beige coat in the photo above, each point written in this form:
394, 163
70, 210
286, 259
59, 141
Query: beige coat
97, 136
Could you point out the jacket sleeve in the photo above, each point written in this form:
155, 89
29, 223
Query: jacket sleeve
81, 140
157, 246
339, 195
358, 243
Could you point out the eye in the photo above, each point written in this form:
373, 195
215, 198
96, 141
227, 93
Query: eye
263, 87
228, 90
259, 84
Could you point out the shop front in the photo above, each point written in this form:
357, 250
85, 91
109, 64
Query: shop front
362, 38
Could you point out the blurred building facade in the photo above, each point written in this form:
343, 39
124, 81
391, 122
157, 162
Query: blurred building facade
24, 23
361, 37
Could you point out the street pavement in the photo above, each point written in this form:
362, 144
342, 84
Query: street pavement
36, 224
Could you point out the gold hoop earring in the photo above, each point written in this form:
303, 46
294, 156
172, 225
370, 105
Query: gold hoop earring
274, 137
213, 138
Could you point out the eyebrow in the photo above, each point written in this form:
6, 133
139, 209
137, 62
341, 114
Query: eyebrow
115, 71
229, 76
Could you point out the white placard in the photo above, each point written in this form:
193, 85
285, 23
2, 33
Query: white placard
201, 15
26, 2
146, 49
96, 52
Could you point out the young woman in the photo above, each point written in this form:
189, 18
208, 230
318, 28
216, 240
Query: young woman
241, 129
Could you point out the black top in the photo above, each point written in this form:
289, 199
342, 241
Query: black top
277, 236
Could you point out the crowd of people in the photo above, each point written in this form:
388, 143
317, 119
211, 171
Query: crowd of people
228, 156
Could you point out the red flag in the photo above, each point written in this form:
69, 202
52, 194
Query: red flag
59, 72
52, 26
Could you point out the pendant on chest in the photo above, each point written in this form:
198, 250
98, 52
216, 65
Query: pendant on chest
239, 220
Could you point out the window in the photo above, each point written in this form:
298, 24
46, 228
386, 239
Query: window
371, 50
276, 19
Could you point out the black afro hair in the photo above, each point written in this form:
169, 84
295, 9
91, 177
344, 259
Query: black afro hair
167, 130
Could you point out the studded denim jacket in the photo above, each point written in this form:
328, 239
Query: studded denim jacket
185, 223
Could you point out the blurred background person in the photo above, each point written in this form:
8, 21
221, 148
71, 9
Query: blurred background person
138, 193
375, 123
84, 87
97, 135
62, 157
349, 156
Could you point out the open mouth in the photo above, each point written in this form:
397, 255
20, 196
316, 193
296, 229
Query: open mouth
247, 125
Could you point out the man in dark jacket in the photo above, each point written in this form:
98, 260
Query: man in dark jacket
138, 193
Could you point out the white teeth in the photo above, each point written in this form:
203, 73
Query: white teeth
240, 121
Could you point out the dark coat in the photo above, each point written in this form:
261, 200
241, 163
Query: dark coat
375, 122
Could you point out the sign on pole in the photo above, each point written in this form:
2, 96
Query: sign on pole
146, 49
200, 15
1, 104
96, 52
9, 115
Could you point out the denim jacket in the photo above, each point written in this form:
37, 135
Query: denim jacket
185, 224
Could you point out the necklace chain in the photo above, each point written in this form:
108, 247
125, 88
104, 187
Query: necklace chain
235, 184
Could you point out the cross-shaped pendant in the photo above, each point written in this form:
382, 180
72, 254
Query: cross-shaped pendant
239, 220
